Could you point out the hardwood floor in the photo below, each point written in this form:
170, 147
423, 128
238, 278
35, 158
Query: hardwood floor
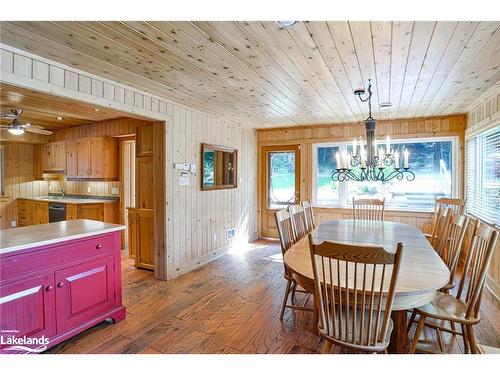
230, 305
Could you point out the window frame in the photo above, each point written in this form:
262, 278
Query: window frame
343, 191
468, 137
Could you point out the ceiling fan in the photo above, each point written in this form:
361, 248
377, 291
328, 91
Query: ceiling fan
18, 128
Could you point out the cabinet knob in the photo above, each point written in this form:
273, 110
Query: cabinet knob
48, 288
98, 246
60, 284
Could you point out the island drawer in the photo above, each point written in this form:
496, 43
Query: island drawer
67, 252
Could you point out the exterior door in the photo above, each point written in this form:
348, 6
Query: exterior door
28, 308
280, 183
83, 292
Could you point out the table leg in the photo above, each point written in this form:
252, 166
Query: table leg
399, 337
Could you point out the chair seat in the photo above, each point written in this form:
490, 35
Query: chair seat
380, 346
446, 307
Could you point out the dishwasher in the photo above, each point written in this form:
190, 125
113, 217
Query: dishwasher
57, 212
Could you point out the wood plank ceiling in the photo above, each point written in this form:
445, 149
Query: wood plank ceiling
265, 76
44, 109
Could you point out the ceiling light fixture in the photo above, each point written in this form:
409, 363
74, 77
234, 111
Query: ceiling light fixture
59, 118
16, 130
371, 164
286, 23
96, 109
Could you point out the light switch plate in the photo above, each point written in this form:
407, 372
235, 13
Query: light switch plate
183, 180
115, 190
13, 224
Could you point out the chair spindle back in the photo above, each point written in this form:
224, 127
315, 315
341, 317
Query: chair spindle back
355, 287
368, 209
308, 212
476, 267
298, 221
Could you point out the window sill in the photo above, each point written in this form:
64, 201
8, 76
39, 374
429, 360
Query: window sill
5, 198
387, 209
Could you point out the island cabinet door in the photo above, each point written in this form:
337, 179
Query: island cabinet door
83, 292
27, 308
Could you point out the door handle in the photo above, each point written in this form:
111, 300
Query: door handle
60, 284
98, 246
48, 288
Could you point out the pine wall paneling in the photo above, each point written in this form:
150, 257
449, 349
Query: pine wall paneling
19, 181
306, 136
193, 217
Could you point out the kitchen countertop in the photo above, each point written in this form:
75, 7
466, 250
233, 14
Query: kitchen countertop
72, 200
23, 238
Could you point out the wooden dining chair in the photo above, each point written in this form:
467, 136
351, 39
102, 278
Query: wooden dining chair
456, 205
355, 288
368, 209
441, 222
452, 246
450, 254
287, 240
463, 307
299, 224
309, 214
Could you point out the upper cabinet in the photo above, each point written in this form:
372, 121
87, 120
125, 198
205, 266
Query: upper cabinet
144, 141
94, 158
55, 157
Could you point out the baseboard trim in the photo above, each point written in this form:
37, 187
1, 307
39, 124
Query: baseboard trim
493, 288
201, 261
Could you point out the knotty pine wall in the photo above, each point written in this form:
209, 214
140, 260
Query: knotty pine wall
193, 216
484, 114
308, 135
19, 180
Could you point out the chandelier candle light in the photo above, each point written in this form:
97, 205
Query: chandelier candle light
371, 164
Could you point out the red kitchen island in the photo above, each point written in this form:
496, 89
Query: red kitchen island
56, 280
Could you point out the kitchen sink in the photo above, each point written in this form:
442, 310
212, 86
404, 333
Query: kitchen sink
52, 198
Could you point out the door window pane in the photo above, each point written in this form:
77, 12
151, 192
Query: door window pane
281, 179
326, 190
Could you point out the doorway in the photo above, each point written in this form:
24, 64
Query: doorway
280, 183
127, 166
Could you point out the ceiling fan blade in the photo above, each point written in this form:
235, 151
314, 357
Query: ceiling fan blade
37, 129
4, 127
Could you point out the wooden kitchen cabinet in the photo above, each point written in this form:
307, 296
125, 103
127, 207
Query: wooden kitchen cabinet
145, 257
71, 212
38, 161
71, 159
144, 141
22, 212
107, 212
91, 211
54, 157
144, 173
93, 158
132, 232
37, 212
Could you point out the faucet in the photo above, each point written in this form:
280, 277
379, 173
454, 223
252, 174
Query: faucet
62, 192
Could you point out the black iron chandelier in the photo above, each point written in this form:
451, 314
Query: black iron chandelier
370, 164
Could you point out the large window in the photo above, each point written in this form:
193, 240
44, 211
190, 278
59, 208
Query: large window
2, 181
482, 182
432, 161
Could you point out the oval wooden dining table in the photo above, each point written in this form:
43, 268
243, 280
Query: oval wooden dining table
422, 271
